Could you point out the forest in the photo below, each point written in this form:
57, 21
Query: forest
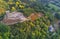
29, 19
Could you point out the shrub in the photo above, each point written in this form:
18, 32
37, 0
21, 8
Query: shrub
3, 4
4, 31
28, 11
57, 15
30, 30
2, 13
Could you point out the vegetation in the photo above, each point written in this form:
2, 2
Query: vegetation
37, 29
4, 31
57, 15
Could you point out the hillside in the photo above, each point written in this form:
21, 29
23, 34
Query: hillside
29, 19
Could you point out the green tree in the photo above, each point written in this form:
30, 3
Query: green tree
4, 31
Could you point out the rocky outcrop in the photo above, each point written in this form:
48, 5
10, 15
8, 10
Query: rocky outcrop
13, 18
